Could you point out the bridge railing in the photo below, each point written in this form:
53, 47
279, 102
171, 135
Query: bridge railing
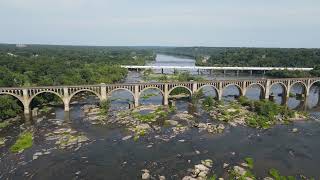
154, 83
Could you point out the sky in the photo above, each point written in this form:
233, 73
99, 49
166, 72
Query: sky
216, 23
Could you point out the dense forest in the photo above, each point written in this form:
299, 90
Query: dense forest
281, 57
40, 65
57, 65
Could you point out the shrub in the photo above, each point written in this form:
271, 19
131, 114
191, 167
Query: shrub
105, 106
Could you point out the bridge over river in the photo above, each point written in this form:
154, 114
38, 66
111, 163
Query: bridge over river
103, 91
210, 69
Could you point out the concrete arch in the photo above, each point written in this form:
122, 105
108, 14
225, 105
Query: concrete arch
180, 87
262, 89
84, 90
144, 89
260, 85
305, 87
207, 85
285, 88
52, 92
14, 95
239, 88
117, 89
313, 83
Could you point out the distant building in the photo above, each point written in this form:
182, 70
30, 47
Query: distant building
21, 45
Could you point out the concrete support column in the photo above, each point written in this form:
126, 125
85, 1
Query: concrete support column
237, 72
267, 89
162, 71
136, 95
244, 90
103, 92
251, 72
198, 71
66, 99
26, 106
220, 91
166, 95
194, 87
286, 96
66, 107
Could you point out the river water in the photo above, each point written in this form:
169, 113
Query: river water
109, 157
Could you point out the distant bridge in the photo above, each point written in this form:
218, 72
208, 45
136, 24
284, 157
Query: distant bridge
199, 68
104, 91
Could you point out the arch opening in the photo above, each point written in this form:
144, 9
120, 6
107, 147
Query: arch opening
45, 103
278, 93
179, 97
121, 99
314, 96
180, 92
151, 96
84, 101
231, 92
10, 106
208, 91
297, 95
255, 92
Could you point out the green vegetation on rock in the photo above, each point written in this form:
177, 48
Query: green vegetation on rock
24, 141
256, 114
104, 107
160, 112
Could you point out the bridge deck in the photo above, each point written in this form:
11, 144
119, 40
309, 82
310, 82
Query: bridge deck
218, 68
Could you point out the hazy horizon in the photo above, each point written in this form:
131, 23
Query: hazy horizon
167, 23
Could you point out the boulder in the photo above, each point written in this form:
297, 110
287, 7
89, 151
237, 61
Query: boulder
201, 167
171, 122
239, 170
143, 126
126, 137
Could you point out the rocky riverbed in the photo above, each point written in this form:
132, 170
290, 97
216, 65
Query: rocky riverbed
153, 142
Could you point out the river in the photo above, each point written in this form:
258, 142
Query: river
107, 156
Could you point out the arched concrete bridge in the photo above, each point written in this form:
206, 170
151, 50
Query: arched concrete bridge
103, 91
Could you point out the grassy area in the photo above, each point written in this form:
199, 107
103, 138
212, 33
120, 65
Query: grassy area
4, 124
24, 141
151, 117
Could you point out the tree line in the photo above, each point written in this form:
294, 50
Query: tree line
46, 65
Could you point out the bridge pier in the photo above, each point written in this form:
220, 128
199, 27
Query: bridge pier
166, 95
66, 107
26, 110
136, 96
